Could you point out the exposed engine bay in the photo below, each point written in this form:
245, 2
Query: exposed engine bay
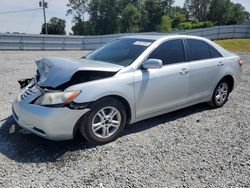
24, 82
81, 77
77, 78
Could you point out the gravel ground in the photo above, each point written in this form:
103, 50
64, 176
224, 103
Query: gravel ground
193, 147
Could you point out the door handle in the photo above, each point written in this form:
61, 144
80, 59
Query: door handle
220, 64
184, 71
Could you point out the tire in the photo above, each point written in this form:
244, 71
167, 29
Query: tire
220, 95
105, 121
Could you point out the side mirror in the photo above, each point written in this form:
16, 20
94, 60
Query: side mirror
152, 64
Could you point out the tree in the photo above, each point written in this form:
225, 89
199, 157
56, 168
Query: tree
130, 19
124, 3
165, 25
194, 24
104, 16
151, 14
78, 8
220, 11
225, 12
178, 18
114, 16
55, 26
82, 28
198, 9
239, 14
167, 6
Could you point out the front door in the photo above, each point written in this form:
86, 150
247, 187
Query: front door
157, 90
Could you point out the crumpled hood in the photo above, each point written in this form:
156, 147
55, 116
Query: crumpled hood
55, 71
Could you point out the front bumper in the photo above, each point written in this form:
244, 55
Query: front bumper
47, 122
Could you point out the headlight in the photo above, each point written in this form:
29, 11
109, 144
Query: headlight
57, 98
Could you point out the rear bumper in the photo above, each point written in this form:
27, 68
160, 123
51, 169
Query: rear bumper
49, 123
237, 77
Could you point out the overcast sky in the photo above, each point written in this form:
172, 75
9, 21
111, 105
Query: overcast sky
30, 22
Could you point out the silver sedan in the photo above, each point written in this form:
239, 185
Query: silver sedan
127, 80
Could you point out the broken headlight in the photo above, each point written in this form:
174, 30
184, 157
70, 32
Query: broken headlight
57, 98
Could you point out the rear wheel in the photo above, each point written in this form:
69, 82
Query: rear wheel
105, 122
220, 94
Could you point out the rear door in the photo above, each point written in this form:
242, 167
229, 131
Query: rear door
205, 63
159, 89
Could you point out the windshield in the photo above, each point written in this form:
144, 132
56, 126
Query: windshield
121, 51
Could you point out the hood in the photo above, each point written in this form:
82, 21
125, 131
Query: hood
53, 72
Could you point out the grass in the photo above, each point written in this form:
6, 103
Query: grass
236, 45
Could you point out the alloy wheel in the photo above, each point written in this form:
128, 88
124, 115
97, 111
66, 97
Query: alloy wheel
221, 93
106, 122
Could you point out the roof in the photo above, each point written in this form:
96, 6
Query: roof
157, 36
147, 36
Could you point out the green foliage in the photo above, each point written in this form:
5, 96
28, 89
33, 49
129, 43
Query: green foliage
130, 19
198, 9
115, 16
220, 11
78, 8
179, 18
225, 12
151, 15
194, 24
55, 26
167, 5
238, 15
104, 16
124, 3
165, 25
82, 28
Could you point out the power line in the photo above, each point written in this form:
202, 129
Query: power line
19, 11
33, 15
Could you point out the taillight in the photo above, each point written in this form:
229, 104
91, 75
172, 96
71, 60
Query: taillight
240, 62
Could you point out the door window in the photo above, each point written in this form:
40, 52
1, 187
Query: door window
197, 50
169, 52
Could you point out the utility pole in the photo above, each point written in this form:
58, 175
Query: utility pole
44, 5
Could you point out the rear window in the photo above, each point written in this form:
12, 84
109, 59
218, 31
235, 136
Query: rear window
214, 53
197, 50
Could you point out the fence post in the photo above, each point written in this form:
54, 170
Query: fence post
64, 43
218, 35
21, 43
248, 32
233, 32
83, 44
43, 42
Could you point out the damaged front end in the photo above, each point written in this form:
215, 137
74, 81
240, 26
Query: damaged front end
60, 73
25, 82
55, 75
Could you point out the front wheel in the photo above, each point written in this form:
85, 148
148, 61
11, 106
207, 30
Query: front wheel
105, 122
220, 95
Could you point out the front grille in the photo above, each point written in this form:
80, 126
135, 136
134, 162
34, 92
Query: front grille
39, 130
26, 93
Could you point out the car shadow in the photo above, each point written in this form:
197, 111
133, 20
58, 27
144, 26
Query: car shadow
28, 148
